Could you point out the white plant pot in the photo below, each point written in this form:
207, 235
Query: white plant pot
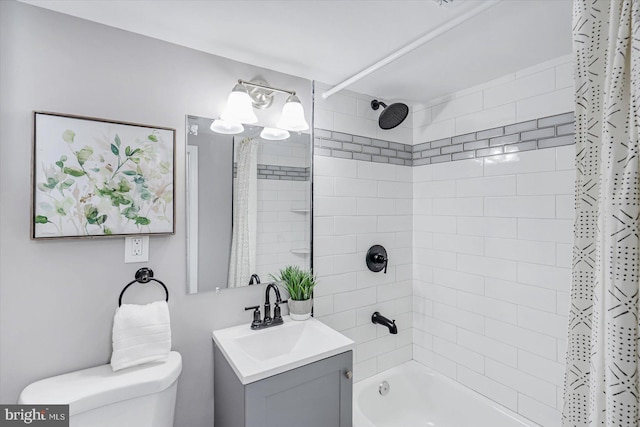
300, 310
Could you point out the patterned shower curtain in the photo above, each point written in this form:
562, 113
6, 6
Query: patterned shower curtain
243, 241
602, 379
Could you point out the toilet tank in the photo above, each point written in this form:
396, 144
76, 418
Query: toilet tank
140, 396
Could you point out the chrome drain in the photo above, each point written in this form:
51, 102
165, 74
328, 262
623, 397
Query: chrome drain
384, 388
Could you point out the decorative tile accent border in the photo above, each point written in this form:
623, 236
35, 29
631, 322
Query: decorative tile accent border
345, 146
287, 173
536, 134
282, 173
546, 132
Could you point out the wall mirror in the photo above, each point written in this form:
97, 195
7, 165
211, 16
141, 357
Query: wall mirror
248, 205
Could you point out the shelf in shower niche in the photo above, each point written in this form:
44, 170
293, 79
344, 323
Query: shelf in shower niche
300, 210
301, 251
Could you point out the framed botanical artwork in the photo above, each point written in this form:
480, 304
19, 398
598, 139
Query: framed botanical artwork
95, 177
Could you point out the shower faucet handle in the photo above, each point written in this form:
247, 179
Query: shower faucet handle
381, 259
377, 259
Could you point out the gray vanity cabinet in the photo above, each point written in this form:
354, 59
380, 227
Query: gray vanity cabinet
315, 395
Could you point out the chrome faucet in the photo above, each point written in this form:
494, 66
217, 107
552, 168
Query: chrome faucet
380, 319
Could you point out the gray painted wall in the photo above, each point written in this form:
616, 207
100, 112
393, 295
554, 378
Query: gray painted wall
57, 298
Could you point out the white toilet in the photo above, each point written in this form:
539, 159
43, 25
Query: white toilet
141, 396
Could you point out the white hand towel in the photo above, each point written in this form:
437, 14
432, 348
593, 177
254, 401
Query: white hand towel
141, 334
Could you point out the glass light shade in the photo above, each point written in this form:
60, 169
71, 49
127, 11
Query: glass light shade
293, 115
239, 108
229, 128
274, 134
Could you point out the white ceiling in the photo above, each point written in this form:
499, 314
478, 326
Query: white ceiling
329, 41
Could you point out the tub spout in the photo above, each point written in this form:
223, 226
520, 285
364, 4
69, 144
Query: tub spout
381, 320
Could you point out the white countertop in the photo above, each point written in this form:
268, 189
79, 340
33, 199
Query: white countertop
258, 354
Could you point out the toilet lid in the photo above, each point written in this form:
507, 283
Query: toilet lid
95, 387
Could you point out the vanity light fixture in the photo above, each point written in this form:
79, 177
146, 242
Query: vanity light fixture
259, 94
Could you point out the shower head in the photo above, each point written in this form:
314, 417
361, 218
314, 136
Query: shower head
392, 115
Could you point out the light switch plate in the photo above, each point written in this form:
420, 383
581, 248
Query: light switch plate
136, 249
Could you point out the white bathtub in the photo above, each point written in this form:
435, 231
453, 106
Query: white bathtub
420, 397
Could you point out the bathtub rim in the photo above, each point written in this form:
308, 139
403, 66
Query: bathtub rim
361, 420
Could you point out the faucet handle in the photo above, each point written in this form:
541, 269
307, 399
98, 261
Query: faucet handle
256, 316
276, 312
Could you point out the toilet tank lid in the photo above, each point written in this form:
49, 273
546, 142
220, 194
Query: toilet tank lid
99, 386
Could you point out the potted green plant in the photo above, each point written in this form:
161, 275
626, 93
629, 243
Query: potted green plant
299, 283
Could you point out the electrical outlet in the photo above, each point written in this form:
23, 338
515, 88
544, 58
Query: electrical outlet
136, 249
136, 246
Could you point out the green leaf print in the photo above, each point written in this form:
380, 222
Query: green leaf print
131, 212
51, 183
124, 186
68, 136
84, 155
41, 219
73, 172
143, 221
66, 184
92, 215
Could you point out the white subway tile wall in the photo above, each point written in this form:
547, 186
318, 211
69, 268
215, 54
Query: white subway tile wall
542, 90
479, 233
492, 294
479, 275
282, 229
359, 204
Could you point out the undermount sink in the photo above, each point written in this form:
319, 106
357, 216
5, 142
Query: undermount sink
258, 354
